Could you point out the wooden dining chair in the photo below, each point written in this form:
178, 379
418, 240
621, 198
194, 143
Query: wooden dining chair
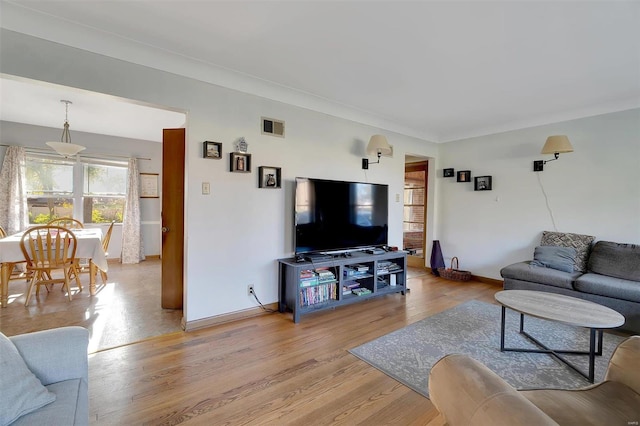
48, 249
105, 247
71, 223
16, 272
66, 222
83, 265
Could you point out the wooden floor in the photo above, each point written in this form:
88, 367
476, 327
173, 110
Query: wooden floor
269, 371
126, 309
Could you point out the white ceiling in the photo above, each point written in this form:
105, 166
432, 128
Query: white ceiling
37, 103
432, 69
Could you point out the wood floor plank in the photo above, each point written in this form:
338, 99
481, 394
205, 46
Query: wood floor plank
268, 370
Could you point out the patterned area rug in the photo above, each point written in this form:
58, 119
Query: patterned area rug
473, 328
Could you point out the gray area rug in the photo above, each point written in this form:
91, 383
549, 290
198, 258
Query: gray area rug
473, 328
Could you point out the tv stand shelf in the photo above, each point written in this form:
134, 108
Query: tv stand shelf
306, 287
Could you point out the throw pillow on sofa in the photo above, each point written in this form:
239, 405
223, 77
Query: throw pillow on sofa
581, 243
20, 390
560, 258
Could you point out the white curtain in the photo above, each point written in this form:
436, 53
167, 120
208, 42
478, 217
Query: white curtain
14, 215
132, 248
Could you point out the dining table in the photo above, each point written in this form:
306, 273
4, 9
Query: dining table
89, 242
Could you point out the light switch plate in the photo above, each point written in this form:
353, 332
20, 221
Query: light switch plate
206, 188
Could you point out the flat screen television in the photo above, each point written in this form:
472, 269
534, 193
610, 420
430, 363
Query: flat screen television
336, 215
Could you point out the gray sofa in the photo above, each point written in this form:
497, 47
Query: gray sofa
58, 359
611, 277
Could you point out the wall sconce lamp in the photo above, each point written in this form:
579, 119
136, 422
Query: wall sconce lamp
554, 145
377, 145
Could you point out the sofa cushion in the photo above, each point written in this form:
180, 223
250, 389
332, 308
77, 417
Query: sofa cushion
63, 409
20, 390
604, 285
560, 258
524, 271
616, 260
582, 244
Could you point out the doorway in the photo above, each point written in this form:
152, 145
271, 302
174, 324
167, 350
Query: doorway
128, 307
414, 221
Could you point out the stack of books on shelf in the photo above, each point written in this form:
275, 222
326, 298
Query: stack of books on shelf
325, 275
361, 291
354, 271
348, 288
317, 294
386, 267
308, 278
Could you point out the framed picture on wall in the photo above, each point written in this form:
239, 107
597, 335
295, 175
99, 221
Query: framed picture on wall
464, 176
212, 150
240, 162
269, 177
482, 183
149, 185
447, 172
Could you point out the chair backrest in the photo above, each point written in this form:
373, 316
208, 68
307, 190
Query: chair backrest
107, 238
66, 222
624, 365
3, 233
48, 247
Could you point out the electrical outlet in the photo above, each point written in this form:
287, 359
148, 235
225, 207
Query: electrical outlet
250, 291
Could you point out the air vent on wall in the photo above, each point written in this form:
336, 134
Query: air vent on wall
272, 127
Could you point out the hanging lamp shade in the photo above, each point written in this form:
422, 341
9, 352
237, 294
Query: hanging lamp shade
65, 147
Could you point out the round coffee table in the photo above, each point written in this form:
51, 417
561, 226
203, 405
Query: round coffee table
564, 309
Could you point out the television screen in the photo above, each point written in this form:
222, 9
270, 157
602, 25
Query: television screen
334, 215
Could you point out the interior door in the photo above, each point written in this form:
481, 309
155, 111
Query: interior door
414, 222
173, 156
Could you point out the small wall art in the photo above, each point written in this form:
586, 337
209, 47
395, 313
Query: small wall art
269, 177
482, 183
149, 185
240, 162
212, 150
464, 176
447, 172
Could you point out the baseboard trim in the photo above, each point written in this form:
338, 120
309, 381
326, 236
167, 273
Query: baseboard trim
147, 257
486, 280
224, 318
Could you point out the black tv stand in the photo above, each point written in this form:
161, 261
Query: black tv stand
307, 287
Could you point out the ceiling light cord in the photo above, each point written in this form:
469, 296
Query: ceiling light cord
66, 134
546, 199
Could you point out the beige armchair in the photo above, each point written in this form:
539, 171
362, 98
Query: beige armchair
468, 393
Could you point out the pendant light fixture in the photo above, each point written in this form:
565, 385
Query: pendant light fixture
65, 147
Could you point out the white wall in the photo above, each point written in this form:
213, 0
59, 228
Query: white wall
35, 136
594, 190
234, 235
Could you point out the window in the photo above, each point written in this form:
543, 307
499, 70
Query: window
105, 190
49, 189
92, 191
